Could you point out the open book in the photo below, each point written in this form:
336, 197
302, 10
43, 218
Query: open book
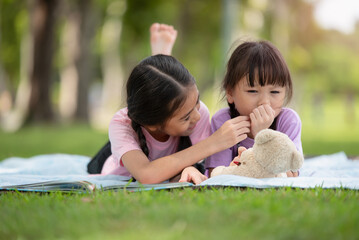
87, 184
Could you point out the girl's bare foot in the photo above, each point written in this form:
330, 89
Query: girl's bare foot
162, 39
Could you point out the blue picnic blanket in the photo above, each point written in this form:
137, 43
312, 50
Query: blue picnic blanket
325, 171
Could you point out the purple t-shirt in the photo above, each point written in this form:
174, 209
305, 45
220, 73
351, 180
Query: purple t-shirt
287, 122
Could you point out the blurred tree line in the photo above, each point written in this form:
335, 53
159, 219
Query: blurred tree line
68, 60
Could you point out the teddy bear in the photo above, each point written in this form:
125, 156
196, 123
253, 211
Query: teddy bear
272, 155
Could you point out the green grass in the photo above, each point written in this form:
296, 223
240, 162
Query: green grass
183, 214
331, 129
30, 141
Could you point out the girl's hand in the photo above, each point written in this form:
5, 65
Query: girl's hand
232, 131
191, 174
292, 174
235, 161
261, 118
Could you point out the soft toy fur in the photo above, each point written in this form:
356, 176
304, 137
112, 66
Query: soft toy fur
272, 155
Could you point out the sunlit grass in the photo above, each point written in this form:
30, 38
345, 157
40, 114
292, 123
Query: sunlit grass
183, 214
30, 141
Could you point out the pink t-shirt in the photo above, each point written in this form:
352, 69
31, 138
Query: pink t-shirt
124, 139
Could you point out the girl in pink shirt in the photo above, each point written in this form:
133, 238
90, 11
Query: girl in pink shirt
164, 129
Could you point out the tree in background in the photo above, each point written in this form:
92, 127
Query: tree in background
76, 73
113, 92
43, 24
48, 69
35, 48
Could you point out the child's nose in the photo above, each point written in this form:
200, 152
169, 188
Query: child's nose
264, 99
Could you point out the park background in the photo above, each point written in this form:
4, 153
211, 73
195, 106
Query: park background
63, 65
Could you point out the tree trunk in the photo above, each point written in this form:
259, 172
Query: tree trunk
42, 26
113, 85
12, 119
5, 95
76, 74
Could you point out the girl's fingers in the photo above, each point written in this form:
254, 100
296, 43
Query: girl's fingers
243, 131
257, 116
236, 125
269, 110
239, 119
198, 179
262, 111
241, 125
252, 117
240, 150
266, 110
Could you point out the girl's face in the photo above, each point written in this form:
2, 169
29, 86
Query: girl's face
247, 98
183, 120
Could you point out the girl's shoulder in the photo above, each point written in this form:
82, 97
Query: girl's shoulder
288, 114
288, 119
224, 112
203, 108
221, 116
121, 117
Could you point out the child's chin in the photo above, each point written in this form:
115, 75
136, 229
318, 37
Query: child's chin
187, 133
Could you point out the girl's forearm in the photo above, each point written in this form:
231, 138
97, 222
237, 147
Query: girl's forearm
169, 166
197, 152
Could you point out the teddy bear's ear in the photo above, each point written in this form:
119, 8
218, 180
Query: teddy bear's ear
265, 136
296, 161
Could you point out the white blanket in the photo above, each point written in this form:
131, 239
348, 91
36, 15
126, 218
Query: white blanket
326, 171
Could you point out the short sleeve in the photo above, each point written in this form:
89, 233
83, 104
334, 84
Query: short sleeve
122, 136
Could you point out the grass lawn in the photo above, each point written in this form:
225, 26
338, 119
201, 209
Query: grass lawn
183, 214
178, 214
30, 141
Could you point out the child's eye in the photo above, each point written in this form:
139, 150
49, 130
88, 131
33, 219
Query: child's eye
186, 119
275, 92
252, 91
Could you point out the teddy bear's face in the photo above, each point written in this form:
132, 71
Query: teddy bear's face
248, 166
246, 159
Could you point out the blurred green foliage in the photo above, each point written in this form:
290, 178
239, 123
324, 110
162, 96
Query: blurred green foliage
324, 63
324, 60
13, 26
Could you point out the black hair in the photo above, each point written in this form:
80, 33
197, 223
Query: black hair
156, 88
257, 61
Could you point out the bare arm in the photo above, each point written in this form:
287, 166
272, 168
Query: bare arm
136, 162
